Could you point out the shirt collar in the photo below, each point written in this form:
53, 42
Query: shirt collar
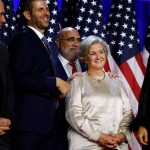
39, 34
65, 61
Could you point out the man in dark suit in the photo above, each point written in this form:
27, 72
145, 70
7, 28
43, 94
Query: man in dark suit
36, 86
6, 91
67, 43
142, 121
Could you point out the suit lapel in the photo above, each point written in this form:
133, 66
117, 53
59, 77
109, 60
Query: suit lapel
40, 43
83, 67
60, 71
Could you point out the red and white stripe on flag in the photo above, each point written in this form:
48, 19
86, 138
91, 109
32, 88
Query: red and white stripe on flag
125, 57
132, 74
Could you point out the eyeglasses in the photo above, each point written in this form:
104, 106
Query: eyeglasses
72, 39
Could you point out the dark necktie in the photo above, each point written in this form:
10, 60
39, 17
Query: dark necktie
47, 46
73, 65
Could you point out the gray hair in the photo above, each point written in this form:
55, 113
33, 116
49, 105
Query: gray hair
85, 45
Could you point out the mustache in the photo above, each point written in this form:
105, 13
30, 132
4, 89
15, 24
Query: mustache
73, 48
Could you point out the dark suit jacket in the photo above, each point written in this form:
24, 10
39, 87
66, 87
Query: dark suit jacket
35, 83
61, 123
143, 116
60, 69
6, 85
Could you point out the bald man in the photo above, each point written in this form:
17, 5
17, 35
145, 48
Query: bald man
67, 42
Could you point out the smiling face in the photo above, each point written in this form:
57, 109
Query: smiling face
39, 16
68, 41
96, 57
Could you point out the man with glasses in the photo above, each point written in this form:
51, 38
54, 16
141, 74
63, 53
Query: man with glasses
67, 67
67, 42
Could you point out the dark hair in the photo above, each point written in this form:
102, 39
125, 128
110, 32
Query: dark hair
26, 5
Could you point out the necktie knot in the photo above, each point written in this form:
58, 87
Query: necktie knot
46, 44
44, 40
73, 65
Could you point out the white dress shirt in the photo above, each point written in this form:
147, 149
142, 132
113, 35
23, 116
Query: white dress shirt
67, 67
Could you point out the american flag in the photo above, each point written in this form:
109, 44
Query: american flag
9, 29
85, 15
146, 50
125, 59
54, 27
68, 13
89, 19
21, 23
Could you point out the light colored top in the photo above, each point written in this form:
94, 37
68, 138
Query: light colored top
67, 67
93, 108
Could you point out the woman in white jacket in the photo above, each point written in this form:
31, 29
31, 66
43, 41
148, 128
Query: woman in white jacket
97, 106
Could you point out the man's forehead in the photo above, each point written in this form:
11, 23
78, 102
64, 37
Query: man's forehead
71, 33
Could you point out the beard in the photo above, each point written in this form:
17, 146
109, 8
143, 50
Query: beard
70, 54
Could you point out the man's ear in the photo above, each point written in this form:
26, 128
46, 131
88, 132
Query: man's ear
27, 15
57, 43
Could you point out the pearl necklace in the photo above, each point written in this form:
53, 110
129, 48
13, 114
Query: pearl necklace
97, 78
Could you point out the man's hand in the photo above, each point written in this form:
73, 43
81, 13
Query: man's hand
143, 135
112, 75
62, 86
4, 125
76, 74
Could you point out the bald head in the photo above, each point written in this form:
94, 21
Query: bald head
68, 40
2, 11
65, 30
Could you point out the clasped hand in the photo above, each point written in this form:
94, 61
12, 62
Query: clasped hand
110, 141
4, 125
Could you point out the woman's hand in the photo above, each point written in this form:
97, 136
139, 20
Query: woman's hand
119, 138
107, 141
